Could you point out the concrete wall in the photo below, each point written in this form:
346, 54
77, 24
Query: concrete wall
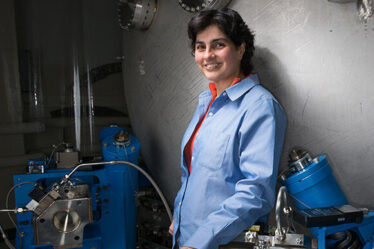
315, 56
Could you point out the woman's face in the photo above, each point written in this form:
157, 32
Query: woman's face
217, 56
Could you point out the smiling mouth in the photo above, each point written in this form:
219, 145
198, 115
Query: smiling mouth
212, 66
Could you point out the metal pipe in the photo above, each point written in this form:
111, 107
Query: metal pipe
163, 199
16, 210
6, 240
20, 235
282, 196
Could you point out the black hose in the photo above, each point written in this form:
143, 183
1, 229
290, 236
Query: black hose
356, 244
347, 240
337, 236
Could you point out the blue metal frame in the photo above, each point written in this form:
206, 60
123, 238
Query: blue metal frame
316, 187
365, 230
108, 205
112, 191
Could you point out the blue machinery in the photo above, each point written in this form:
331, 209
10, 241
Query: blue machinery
323, 206
93, 208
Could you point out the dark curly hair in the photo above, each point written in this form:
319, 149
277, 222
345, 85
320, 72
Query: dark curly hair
229, 22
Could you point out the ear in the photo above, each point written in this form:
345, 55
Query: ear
241, 49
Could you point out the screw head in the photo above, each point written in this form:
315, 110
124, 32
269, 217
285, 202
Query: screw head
299, 241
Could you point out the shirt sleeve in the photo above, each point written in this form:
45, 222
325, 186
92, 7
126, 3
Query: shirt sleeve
261, 138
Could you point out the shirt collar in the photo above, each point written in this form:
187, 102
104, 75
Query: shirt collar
235, 91
213, 89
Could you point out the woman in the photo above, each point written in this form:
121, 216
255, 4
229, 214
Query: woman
231, 148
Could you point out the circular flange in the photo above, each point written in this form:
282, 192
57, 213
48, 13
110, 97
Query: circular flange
197, 5
66, 221
136, 14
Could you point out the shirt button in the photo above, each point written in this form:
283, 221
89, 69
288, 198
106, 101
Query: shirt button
210, 113
180, 203
192, 158
224, 93
197, 134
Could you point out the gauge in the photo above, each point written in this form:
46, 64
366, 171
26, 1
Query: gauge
136, 14
197, 5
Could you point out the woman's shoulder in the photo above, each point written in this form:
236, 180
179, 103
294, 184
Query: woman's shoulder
261, 101
257, 92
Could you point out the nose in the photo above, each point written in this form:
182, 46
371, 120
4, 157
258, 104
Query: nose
209, 53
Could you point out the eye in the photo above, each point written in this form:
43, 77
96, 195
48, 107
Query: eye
219, 45
199, 47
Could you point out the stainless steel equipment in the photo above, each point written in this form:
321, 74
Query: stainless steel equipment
284, 236
197, 5
331, 226
61, 215
67, 158
136, 14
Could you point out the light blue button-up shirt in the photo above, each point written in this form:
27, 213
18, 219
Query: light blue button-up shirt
233, 168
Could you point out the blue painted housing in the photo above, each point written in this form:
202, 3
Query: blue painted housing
112, 191
124, 180
315, 186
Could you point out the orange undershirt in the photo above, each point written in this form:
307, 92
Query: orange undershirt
189, 146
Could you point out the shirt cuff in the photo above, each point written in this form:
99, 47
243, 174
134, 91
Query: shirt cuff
203, 238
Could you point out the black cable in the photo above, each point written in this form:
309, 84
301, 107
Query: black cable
356, 244
346, 242
337, 235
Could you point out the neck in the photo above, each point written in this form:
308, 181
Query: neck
221, 86
224, 84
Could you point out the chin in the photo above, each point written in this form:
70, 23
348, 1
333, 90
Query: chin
212, 76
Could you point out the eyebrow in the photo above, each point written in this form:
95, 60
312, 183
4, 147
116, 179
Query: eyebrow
212, 41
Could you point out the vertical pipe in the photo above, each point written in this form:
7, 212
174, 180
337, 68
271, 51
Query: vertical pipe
77, 103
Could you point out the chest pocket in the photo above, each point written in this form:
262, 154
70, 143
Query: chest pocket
212, 149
